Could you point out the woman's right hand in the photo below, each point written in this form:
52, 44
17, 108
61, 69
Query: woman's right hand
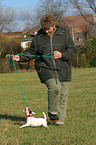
16, 57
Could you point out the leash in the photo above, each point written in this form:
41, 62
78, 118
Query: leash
19, 83
49, 55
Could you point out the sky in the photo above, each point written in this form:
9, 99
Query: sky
26, 4
20, 4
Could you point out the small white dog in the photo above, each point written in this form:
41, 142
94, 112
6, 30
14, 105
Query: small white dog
32, 121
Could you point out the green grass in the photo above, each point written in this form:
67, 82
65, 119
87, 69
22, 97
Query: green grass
80, 122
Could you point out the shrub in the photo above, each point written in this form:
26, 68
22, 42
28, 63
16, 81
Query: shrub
8, 46
83, 61
88, 55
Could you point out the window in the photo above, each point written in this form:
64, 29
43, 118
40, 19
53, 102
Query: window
80, 39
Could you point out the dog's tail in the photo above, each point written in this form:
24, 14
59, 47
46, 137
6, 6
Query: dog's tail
44, 115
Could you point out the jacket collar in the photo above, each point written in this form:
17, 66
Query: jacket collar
59, 30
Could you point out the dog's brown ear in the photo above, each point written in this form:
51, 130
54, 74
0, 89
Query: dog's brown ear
30, 111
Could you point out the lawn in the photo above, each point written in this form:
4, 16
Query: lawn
80, 122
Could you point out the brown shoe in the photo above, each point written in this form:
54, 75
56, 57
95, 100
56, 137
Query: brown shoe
52, 122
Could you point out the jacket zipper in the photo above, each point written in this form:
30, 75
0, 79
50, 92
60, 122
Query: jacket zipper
54, 60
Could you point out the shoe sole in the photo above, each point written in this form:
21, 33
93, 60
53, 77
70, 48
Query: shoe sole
52, 121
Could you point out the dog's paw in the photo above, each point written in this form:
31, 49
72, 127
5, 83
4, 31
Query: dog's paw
20, 126
47, 126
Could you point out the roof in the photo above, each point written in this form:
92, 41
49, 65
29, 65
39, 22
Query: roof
31, 31
17, 35
13, 33
70, 21
76, 21
27, 39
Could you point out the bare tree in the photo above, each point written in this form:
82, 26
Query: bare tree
7, 16
85, 7
29, 18
54, 7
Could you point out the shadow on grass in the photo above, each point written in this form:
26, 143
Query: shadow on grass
17, 120
13, 118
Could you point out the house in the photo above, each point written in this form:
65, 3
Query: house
77, 25
17, 35
25, 42
32, 31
